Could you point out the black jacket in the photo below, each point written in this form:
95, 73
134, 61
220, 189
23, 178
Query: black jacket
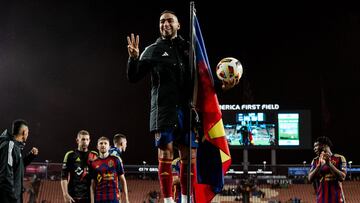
171, 87
12, 164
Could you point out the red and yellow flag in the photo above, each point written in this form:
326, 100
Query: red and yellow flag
213, 154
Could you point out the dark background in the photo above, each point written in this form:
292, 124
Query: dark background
63, 68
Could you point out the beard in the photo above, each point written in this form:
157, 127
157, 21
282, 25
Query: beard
165, 34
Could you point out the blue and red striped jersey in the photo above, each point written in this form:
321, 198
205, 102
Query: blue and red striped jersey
330, 187
106, 173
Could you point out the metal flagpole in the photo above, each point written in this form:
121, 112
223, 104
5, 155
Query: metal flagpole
193, 70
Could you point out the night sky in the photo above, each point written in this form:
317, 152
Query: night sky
63, 69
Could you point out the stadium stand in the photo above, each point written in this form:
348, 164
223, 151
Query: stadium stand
145, 190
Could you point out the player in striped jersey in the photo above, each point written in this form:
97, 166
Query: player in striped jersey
106, 171
120, 144
330, 169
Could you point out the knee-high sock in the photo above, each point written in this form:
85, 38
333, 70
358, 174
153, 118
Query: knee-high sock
165, 177
184, 177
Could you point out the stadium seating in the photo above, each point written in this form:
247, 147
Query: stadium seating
139, 190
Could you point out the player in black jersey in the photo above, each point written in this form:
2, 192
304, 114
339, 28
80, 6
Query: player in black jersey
75, 178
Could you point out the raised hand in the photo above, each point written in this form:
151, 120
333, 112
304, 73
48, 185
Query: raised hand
34, 151
322, 160
327, 157
133, 45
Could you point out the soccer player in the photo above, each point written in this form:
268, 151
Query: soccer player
167, 61
106, 171
120, 144
75, 178
330, 170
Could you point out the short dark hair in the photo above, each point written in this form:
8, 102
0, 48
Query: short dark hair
323, 140
168, 11
17, 125
118, 137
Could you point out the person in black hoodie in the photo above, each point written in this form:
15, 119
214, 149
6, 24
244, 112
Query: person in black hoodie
13, 163
167, 61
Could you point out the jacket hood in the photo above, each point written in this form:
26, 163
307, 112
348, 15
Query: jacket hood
5, 135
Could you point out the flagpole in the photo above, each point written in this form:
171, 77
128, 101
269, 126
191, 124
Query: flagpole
193, 100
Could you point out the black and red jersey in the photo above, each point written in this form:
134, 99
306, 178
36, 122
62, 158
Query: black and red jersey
75, 169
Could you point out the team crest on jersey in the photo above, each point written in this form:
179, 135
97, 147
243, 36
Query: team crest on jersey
111, 163
79, 171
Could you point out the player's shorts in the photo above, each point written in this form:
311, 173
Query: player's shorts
177, 135
82, 200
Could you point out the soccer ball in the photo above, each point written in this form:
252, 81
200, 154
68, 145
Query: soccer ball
229, 68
